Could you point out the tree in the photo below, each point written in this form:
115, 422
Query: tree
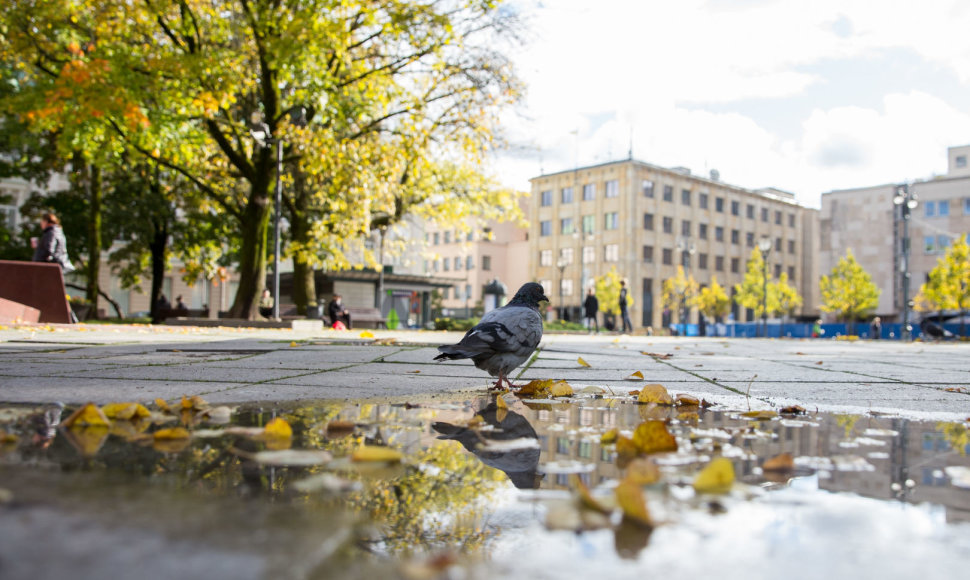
608, 294
948, 286
750, 293
783, 298
849, 291
712, 301
678, 294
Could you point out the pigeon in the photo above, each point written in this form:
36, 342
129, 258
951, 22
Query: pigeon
505, 337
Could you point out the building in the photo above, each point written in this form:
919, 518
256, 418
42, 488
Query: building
645, 220
867, 221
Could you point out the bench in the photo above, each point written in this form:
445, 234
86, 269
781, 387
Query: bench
37, 285
360, 315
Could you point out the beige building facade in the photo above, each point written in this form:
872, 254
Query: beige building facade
645, 220
868, 222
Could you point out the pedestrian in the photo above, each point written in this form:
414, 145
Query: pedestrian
624, 313
591, 307
52, 245
180, 306
337, 313
817, 328
875, 329
266, 304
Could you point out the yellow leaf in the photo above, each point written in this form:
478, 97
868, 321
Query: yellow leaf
683, 400
87, 440
172, 433
500, 403
582, 362
783, 462
655, 394
560, 389
125, 411
717, 477
278, 428
760, 415
163, 406
653, 437
586, 499
87, 416
636, 376
535, 388
609, 437
375, 453
367, 334
642, 471
629, 496
294, 344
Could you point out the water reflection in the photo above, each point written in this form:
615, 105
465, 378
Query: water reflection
471, 466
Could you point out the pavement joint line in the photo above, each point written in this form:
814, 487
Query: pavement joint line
713, 382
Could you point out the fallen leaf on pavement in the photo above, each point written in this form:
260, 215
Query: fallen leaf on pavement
655, 394
717, 477
582, 362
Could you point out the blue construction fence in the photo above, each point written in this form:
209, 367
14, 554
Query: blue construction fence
804, 330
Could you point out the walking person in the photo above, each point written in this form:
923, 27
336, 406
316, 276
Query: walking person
52, 245
624, 313
875, 328
591, 306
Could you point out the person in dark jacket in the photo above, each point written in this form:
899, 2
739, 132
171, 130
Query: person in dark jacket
52, 245
591, 308
624, 312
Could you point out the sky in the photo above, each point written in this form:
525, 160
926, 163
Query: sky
803, 96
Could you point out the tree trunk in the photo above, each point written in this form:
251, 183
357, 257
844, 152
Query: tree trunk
304, 285
159, 248
95, 196
252, 261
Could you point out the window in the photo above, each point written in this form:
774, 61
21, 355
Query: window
468, 291
791, 220
648, 254
943, 208
434, 265
777, 244
929, 244
611, 220
929, 209
749, 211
470, 237
447, 237
668, 225
589, 223
611, 253
612, 188
685, 227
960, 161
764, 214
567, 195
545, 228
791, 246
470, 262
749, 239
446, 264
702, 231
702, 200
546, 197
735, 263
668, 256
566, 255
719, 204
566, 287
546, 286
458, 263
545, 258
648, 221
668, 193
702, 261
685, 197
966, 206
436, 238
486, 263
647, 186
777, 218
719, 263
791, 274
718, 233
735, 208
777, 270
589, 192
735, 237
589, 254
942, 243
566, 225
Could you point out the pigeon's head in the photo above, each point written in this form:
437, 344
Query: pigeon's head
531, 294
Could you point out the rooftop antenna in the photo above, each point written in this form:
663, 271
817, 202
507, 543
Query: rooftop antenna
630, 155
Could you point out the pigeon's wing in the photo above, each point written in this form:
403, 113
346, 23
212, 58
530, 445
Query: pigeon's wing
506, 330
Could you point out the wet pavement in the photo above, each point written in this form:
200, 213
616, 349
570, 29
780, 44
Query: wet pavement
847, 458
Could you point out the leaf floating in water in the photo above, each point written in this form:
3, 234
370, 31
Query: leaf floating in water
760, 415
582, 362
586, 499
171, 433
126, 411
336, 429
369, 453
278, 428
655, 394
783, 462
609, 437
717, 477
163, 406
629, 496
636, 376
292, 457
643, 471
87, 416
560, 389
793, 410
653, 437
683, 400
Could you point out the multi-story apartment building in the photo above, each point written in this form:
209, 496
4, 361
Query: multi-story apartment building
867, 221
473, 257
645, 220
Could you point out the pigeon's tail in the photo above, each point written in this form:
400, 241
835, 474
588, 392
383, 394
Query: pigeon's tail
453, 352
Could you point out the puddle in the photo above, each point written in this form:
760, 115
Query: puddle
482, 489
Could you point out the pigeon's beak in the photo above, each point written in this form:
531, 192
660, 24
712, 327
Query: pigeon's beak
544, 299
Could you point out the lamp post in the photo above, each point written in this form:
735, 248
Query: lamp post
907, 201
764, 246
687, 249
261, 133
561, 264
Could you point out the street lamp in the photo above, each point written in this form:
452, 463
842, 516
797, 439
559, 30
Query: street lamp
764, 245
906, 201
261, 133
687, 249
561, 264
